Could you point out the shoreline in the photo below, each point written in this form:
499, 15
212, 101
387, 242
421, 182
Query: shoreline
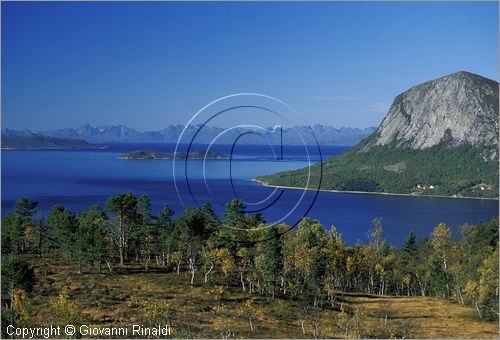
370, 193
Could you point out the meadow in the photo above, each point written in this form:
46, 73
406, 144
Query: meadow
121, 297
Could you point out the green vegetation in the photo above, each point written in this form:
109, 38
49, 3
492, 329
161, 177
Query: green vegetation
238, 277
44, 142
147, 154
460, 171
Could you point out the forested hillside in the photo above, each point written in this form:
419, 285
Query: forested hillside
438, 138
243, 275
459, 171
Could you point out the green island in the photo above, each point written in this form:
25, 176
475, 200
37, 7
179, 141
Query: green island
437, 171
150, 155
236, 277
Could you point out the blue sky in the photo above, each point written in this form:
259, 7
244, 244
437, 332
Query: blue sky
147, 65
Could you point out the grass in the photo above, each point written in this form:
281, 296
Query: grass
452, 171
117, 299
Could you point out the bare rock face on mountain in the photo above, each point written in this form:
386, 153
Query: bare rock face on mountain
460, 108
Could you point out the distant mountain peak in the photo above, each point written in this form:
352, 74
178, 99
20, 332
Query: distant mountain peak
120, 133
459, 108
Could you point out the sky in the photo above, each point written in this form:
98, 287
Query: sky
148, 65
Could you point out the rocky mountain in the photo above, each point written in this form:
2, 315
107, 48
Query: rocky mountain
121, 133
460, 108
438, 138
10, 132
98, 134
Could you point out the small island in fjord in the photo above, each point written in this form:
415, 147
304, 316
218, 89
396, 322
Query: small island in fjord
152, 155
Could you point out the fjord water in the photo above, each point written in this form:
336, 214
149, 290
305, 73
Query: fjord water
80, 178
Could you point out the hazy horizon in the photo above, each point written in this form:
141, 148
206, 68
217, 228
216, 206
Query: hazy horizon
164, 127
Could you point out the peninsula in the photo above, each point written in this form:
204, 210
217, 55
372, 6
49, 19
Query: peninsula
38, 142
439, 138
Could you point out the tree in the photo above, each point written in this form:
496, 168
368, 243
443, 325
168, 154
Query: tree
192, 254
36, 238
220, 311
234, 215
124, 209
212, 222
250, 311
385, 267
212, 257
376, 234
156, 312
489, 286
406, 261
471, 294
12, 234
234, 226
21, 308
14, 225
209, 260
17, 313
244, 261
358, 320
309, 267
91, 239
409, 250
424, 248
437, 278
225, 260
166, 236
489, 233
26, 209
65, 311
194, 223
191, 231
177, 259
441, 243
373, 255
441, 248
18, 277
466, 255
272, 261
64, 224
343, 322
147, 232
16, 274
335, 259
144, 209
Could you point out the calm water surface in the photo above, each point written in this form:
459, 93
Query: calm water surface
80, 178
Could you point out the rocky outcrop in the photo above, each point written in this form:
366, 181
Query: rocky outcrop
460, 108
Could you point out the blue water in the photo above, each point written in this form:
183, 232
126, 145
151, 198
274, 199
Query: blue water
80, 178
